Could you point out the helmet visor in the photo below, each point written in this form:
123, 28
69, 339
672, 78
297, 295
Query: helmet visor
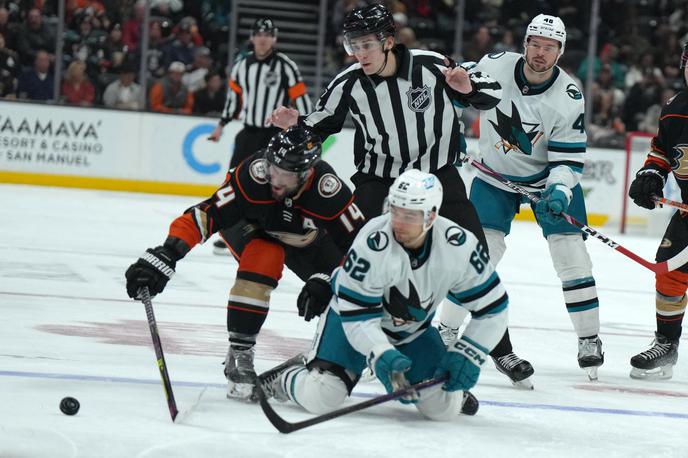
406, 216
360, 44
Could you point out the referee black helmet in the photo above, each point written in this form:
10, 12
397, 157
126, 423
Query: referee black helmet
264, 24
372, 19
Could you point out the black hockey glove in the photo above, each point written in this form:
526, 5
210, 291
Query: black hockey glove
315, 296
648, 182
153, 269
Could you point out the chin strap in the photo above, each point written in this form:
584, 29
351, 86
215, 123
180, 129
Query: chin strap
384, 64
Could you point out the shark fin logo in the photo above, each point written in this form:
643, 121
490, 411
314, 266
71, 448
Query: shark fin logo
573, 92
377, 241
455, 236
513, 132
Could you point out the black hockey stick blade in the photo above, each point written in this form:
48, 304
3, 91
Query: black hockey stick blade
286, 427
144, 294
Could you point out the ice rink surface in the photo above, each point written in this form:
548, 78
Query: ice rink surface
67, 328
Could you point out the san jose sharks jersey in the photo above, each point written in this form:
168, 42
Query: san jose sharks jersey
536, 135
386, 295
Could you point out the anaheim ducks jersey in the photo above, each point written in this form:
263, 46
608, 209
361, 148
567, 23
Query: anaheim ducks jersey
669, 150
325, 204
536, 134
387, 295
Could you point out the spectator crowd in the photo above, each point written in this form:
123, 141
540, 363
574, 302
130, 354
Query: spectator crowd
101, 53
635, 70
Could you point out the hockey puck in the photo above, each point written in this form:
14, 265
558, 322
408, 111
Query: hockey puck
69, 406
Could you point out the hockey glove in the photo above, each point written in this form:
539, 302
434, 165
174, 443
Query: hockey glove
389, 368
153, 269
647, 182
462, 363
552, 203
315, 296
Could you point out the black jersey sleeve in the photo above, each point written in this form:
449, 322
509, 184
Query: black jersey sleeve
671, 127
329, 204
243, 192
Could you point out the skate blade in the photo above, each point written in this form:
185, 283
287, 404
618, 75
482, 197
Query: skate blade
242, 392
660, 373
592, 373
524, 384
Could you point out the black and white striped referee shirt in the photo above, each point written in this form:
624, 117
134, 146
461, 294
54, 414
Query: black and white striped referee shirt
258, 87
411, 120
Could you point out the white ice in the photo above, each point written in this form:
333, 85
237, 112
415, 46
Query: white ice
67, 328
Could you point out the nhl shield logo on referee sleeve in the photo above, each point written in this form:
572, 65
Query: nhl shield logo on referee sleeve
419, 98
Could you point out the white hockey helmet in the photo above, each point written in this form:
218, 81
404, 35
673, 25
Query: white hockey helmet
416, 190
546, 26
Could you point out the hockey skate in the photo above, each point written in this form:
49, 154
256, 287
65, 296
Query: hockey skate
657, 362
448, 334
270, 379
518, 370
469, 404
590, 356
241, 376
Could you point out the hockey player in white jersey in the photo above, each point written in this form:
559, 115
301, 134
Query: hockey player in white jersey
536, 138
399, 269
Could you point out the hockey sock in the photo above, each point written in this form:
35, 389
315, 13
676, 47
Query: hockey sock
670, 311
583, 306
247, 307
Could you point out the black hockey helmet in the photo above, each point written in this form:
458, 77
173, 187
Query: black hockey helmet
372, 19
264, 24
684, 56
296, 149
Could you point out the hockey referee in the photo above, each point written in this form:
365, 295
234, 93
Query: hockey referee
262, 81
406, 105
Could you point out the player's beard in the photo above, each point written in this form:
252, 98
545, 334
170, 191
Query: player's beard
283, 192
406, 237
540, 66
279, 195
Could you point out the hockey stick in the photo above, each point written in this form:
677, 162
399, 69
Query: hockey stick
657, 267
286, 427
672, 203
153, 326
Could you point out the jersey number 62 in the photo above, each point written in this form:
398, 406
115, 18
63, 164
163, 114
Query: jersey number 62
355, 266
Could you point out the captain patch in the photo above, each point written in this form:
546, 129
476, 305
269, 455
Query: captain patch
329, 185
